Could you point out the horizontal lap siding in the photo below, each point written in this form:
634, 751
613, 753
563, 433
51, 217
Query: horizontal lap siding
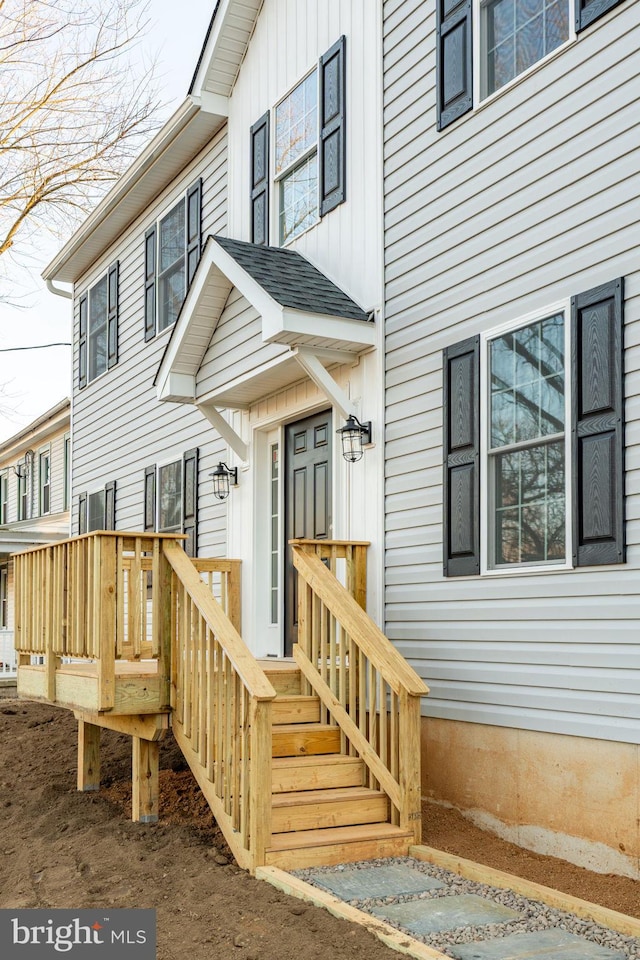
523, 202
120, 427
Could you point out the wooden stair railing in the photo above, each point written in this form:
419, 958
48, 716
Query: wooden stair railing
222, 713
365, 686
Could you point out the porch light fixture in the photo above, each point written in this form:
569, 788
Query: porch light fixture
354, 436
223, 477
22, 470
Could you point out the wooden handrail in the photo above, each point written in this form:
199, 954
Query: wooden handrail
371, 640
235, 648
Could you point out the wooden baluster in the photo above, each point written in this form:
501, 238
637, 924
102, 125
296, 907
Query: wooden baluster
229, 715
211, 704
219, 729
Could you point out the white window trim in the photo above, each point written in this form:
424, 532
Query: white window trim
4, 476
479, 60
66, 466
486, 491
44, 451
167, 463
277, 178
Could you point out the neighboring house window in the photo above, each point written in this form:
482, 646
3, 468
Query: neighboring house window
97, 510
4, 597
534, 445
98, 328
4, 498
496, 41
44, 474
172, 251
66, 489
309, 152
171, 499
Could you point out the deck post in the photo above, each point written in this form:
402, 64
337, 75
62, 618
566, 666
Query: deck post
145, 780
162, 622
105, 573
88, 756
409, 765
260, 781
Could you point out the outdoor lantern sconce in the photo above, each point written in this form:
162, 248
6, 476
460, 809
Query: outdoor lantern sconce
354, 436
223, 477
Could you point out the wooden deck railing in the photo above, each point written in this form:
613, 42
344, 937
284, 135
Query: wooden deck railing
221, 713
105, 596
365, 686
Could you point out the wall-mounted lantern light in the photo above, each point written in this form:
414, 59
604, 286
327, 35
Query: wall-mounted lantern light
354, 436
223, 477
22, 470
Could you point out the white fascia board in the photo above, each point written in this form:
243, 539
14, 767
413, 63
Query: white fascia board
358, 332
177, 388
250, 289
225, 20
212, 103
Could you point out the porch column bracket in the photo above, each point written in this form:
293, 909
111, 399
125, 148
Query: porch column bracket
324, 381
226, 431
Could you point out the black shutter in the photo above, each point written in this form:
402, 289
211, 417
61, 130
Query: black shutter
461, 458
190, 501
454, 72
589, 10
194, 228
598, 425
82, 513
332, 160
260, 181
110, 505
150, 497
150, 284
112, 308
82, 341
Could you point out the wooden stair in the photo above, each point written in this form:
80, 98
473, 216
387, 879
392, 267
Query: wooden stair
322, 811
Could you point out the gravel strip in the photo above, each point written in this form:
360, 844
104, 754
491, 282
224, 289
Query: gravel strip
536, 916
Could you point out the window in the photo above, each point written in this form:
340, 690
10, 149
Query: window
275, 533
66, 489
309, 152
534, 440
4, 597
172, 251
526, 442
44, 473
501, 39
97, 510
4, 498
171, 498
98, 328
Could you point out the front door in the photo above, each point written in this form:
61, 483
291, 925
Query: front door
307, 501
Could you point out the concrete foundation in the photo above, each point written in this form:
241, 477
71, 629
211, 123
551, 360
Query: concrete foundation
569, 797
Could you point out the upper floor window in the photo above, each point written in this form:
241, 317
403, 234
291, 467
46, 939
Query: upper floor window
296, 158
308, 152
44, 473
23, 483
4, 498
515, 34
172, 251
482, 45
98, 327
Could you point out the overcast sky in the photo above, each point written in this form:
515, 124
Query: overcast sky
32, 381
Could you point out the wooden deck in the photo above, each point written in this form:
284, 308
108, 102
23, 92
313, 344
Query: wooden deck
306, 761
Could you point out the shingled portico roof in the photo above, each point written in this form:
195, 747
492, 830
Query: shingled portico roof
300, 309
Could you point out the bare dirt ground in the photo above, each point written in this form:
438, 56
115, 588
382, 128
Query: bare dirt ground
61, 848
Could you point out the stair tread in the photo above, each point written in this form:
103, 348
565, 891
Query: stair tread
325, 795
332, 835
323, 759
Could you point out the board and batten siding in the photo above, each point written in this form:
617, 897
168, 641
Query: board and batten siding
119, 425
527, 200
288, 41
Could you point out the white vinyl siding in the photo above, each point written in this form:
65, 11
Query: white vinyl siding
530, 199
119, 425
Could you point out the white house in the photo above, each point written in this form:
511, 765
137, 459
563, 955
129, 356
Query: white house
35, 493
374, 209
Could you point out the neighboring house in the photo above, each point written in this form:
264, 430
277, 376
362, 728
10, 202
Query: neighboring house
34, 504
258, 276
512, 318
